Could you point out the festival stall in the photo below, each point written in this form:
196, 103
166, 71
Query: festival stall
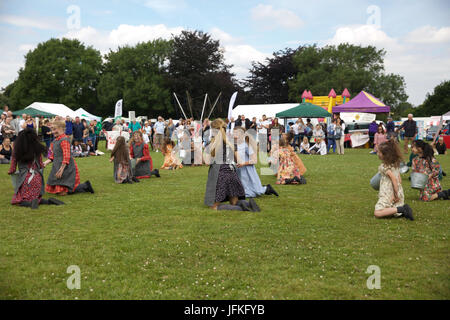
364, 102
257, 110
34, 113
83, 114
53, 108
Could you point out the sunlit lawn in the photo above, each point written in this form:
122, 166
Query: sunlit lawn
156, 239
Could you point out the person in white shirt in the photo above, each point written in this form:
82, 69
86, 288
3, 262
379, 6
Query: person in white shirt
318, 132
263, 126
159, 128
320, 148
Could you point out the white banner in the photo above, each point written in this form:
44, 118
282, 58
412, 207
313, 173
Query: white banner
230, 107
111, 137
132, 115
118, 112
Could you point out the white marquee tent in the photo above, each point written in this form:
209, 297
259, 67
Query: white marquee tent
257, 110
86, 115
55, 108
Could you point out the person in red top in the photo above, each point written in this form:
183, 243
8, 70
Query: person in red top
64, 178
141, 161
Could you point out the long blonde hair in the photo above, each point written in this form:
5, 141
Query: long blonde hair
220, 125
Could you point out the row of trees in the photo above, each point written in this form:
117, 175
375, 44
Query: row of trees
192, 64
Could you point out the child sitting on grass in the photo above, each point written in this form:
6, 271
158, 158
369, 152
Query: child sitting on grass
291, 168
171, 161
390, 197
425, 162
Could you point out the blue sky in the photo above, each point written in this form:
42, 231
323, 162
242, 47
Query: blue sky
416, 34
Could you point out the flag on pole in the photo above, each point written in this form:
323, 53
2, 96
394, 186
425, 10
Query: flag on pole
118, 112
230, 108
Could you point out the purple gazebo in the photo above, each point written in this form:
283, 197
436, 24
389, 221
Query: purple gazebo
363, 102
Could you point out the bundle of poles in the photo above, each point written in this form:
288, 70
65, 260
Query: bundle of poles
203, 109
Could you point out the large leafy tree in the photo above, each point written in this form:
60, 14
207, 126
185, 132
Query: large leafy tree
197, 66
269, 81
58, 71
138, 75
436, 103
345, 66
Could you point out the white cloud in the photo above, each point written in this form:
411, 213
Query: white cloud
269, 17
26, 47
364, 35
238, 54
164, 6
429, 35
421, 67
20, 21
123, 35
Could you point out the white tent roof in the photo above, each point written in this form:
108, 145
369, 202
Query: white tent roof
86, 115
446, 116
55, 108
257, 110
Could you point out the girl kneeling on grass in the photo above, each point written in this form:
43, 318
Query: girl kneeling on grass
223, 182
64, 178
246, 159
143, 163
390, 197
122, 165
425, 162
30, 184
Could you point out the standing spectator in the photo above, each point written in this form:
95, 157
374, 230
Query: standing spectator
98, 130
331, 136
373, 128
243, 122
390, 129
92, 135
69, 128
309, 124
159, 133
379, 138
5, 110
7, 129
85, 131
47, 134
78, 130
2, 122
263, 127
134, 126
170, 128
410, 128
340, 135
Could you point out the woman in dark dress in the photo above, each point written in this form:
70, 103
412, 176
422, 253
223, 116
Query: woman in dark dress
30, 184
223, 182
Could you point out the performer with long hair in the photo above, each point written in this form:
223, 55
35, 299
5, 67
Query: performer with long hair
27, 156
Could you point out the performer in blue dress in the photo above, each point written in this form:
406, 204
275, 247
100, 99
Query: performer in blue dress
246, 159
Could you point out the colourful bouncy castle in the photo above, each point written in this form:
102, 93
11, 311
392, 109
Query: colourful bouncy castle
327, 102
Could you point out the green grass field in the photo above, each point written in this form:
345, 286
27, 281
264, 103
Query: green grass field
156, 239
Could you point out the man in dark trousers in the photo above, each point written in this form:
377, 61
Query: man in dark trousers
410, 128
243, 122
78, 129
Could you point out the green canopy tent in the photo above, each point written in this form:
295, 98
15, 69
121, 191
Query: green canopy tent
34, 113
304, 110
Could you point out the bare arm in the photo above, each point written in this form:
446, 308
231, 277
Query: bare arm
394, 184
